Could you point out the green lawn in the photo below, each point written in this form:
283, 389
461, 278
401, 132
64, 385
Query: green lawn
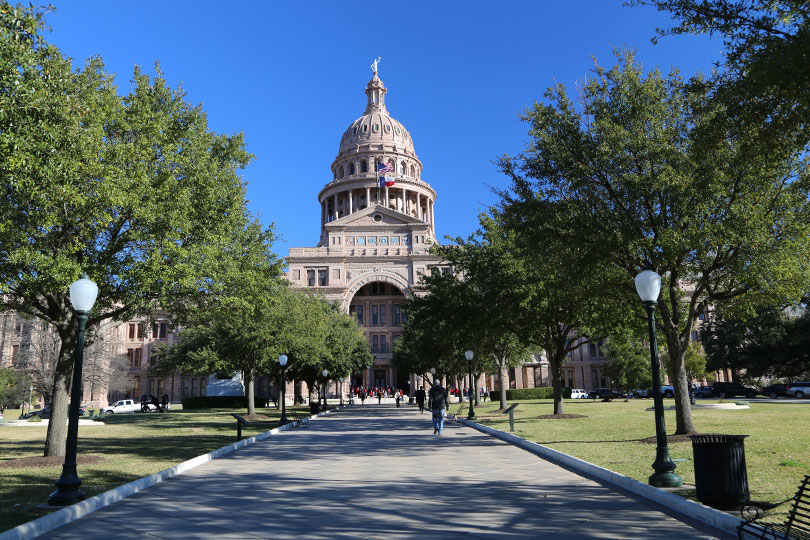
132, 445
777, 450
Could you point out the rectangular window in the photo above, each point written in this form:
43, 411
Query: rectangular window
375, 344
131, 357
382, 315
15, 352
375, 318
164, 330
322, 278
383, 345
155, 331
203, 386
194, 388
131, 331
694, 336
141, 331
360, 314
404, 318
138, 357
137, 388
310, 278
593, 350
701, 316
186, 387
397, 318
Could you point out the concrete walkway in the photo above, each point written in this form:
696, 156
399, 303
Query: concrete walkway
379, 472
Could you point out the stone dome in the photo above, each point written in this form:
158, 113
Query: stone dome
376, 129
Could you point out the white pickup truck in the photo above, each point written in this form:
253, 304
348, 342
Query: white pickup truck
121, 406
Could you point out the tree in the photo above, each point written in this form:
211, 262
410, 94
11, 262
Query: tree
628, 361
133, 190
767, 52
719, 221
13, 388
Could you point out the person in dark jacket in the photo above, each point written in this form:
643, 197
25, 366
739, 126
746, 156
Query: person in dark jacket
420, 399
438, 401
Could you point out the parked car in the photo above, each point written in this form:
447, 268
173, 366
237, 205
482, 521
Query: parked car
798, 390
578, 393
732, 389
604, 393
774, 390
667, 391
45, 412
639, 393
703, 391
121, 406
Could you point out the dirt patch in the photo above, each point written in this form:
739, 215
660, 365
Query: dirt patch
257, 417
670, 439
558, 416
47, 461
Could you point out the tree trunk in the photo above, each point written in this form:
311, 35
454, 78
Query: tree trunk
474, 387
60, 395
298, 395
683, 408
555, 366
504, 383
250, 391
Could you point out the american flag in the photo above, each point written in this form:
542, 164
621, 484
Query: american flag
385, 167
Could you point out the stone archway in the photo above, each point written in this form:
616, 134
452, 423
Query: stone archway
376, 275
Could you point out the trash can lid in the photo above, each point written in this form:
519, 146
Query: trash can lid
715, 438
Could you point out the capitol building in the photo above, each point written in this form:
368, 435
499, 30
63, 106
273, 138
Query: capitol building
377, 223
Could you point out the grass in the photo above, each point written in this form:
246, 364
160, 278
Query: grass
777, 450
132, 445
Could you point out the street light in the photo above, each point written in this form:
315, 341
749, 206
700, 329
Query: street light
648, 286
83, 294
469, 356
282, 395
325, 381
433, 375
341, 391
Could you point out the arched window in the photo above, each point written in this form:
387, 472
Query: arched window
402, 168
364, 166
351, 168
413, 171
340, 172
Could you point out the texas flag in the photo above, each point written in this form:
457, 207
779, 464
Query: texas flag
387, 181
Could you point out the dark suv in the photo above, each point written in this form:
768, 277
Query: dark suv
774, 390
604, 393
732, 389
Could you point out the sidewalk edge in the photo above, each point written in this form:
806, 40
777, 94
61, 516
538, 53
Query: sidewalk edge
715, 518
40, 526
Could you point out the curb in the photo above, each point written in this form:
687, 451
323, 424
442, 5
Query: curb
61, 517
715, 518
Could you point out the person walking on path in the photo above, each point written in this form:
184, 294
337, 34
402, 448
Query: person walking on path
420, 399
362, 397
398, 396
438, 400
379, 396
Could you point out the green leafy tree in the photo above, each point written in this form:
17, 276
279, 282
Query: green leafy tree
13, 388
628, 361
767, 42
719, 221
133, 190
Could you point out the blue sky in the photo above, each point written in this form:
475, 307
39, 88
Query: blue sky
291, 76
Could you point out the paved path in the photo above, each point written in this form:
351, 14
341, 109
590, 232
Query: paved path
378, 472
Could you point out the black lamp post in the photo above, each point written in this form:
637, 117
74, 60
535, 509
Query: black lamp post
341, 391
282, 395
82, 295
648, 286
469, 356
325, 382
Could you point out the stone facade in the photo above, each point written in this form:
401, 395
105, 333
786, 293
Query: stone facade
377, 223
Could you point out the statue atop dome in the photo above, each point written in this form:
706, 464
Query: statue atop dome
374, 64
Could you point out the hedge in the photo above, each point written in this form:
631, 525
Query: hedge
220, 402
542, 392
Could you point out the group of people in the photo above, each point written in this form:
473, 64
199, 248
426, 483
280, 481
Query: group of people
364, 392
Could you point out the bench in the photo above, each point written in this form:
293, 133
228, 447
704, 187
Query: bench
796, 526
242, 421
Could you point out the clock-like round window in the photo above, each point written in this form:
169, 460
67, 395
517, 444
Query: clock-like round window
377, 218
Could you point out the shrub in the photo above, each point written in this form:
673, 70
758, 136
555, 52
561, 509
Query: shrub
542, 392
220, 402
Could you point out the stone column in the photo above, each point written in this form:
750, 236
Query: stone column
335, 201
351, 210
368, 197
386, 197
432, 224
403, 201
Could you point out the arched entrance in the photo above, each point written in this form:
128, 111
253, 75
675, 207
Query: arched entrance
377, 304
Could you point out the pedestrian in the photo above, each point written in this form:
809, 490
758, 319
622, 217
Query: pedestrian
438, 400
362, 397
420, 399
398, 396
379, 397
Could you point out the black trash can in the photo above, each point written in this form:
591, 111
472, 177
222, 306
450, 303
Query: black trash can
314, 407
721, 479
